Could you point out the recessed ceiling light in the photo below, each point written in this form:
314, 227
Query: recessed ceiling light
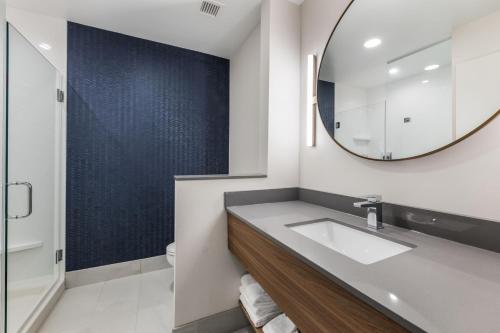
431, 67
45, 46
425, 81
371, 43
394, 71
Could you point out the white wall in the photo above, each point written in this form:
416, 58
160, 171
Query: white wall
362, 120
476, 57
206, 274
348, 97
463, 179
245, 136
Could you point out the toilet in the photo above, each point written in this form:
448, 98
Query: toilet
171, 254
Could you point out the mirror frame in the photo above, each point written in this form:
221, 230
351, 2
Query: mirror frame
466, 136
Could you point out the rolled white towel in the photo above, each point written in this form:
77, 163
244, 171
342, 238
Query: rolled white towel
247, 280
254, 291
280, 324
261, 309
257, 295
258, 320
254, 295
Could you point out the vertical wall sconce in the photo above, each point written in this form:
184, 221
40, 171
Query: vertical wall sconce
312, 100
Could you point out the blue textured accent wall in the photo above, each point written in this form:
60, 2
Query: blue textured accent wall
139, 112
326, 104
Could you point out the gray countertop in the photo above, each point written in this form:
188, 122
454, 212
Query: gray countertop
439, 286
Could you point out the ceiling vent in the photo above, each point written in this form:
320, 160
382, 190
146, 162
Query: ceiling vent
210, 8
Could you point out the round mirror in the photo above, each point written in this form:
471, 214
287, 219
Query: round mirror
402, 79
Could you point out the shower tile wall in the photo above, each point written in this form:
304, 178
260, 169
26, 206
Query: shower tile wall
139, 112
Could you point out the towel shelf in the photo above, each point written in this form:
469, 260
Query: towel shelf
255, 329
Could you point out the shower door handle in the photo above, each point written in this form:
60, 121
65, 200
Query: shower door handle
29, 196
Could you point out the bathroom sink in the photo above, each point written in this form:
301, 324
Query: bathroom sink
358, 244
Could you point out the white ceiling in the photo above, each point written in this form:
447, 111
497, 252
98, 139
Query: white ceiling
403, 26
174, 22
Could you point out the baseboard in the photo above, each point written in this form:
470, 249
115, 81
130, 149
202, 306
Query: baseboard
38, 318
115, 271
223, 322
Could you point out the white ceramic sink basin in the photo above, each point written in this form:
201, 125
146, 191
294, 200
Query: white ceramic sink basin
364, 247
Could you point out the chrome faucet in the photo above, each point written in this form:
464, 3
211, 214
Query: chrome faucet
374, 205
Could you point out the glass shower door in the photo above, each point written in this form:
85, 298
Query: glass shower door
32, 129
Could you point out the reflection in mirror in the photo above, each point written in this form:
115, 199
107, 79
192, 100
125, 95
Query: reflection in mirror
405, 78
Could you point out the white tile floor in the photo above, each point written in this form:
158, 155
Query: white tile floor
139, 303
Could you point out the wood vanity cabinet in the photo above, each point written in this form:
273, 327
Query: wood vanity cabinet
313, 302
